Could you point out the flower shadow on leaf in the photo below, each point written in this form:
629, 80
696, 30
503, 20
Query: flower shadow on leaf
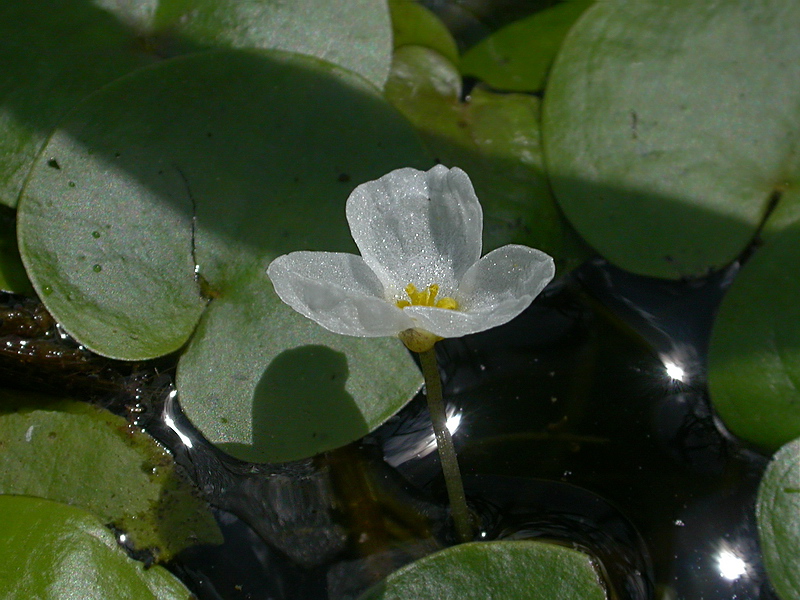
301, 404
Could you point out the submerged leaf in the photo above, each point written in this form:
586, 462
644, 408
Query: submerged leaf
75, 453
52, 550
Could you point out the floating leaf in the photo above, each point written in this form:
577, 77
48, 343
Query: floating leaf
754, 357
494, 138
668, 126
516, 570
75, 453
224, 160
55, 53
778, 515
354, 34
52, 550
518, 57
415, 25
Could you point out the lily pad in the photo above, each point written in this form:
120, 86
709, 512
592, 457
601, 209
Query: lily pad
516, 570
495, 139
778, 515
75, 453
354, 34
754, 357
218, 162
52, 550
54, 53
517, 58
668, 127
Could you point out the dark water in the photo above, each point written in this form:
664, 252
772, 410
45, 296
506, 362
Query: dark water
585, 421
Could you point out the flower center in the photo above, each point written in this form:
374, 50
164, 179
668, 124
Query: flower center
426, 297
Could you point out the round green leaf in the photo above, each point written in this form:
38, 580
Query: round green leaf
54, 53
668, 126
754, 357
354, 34
415, 25
53, 551
778, 515
516, 570
265, 384
218, 162
53, 453
518, 57
493, 137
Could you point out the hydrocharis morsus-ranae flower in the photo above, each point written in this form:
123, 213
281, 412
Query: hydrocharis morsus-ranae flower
420, 275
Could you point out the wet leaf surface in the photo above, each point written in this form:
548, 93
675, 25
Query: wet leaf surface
72, 452
52, 550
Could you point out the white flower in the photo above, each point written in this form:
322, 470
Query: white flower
420, 275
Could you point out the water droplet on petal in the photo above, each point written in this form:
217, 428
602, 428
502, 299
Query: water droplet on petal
97, 268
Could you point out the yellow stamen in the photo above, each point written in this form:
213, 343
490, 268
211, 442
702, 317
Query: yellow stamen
447, 303
426, 297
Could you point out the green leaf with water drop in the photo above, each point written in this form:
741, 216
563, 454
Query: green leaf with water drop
510, 570
493, 137
518, 57
778, 516
81, 455
55, 551
668, 126
223, 160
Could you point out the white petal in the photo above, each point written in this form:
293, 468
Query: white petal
417, 227
338, 291
448, 323
495, 290
509, 276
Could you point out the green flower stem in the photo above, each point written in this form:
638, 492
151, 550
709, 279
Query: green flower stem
447, 453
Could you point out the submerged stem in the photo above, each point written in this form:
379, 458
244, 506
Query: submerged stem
444, 442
